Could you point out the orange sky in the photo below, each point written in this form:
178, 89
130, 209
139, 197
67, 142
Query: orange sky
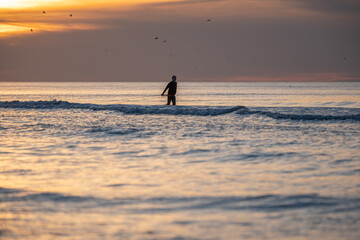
245, 40
20, 15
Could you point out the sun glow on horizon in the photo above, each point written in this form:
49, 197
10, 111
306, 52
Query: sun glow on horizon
5, 28
58, 3
25, 3
24, 16
9, 3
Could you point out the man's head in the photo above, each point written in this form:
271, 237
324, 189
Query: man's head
174, 78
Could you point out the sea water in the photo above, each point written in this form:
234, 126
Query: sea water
231, 161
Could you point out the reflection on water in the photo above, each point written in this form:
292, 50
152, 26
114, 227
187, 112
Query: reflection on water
207, 94
255, 173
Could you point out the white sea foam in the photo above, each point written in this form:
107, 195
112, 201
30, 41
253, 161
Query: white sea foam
294, 113
127, 109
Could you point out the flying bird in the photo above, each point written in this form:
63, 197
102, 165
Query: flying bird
44, 12
156, 38
31, 30
209, 20
70, 15
164, 41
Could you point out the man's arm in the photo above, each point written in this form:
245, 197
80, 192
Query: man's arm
165, 90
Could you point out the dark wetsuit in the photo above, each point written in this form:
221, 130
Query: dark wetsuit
171, 93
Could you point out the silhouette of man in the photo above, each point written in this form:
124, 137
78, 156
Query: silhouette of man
172, 91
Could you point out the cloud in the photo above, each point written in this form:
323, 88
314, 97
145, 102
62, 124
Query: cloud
112, 14
186, 2
329, 6
247, 40
17, 21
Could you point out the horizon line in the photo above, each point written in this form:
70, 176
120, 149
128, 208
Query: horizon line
325, 81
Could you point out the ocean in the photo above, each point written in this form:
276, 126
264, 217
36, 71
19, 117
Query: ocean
230, 161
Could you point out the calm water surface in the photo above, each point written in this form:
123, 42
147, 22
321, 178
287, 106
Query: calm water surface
232, 161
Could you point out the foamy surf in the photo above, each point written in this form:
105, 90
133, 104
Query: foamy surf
126, 109
277, 113
308, 114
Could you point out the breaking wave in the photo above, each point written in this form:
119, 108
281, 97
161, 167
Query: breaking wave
181, 203
305, 115
294, 114
126, 109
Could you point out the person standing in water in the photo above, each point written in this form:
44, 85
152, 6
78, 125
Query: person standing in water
172, 91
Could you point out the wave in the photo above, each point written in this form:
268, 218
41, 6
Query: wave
277, 113
126, 109
171, 204
304, 116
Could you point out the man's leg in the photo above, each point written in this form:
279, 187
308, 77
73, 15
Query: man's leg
174, 100
169, 99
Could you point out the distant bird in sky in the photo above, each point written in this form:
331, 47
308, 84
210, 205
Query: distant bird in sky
44, 12
31, 30
344, 58
70, 14
156, 38
164, 41
209, 20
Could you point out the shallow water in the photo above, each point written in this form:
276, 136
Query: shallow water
233, 161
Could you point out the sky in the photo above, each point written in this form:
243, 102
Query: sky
197, 40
